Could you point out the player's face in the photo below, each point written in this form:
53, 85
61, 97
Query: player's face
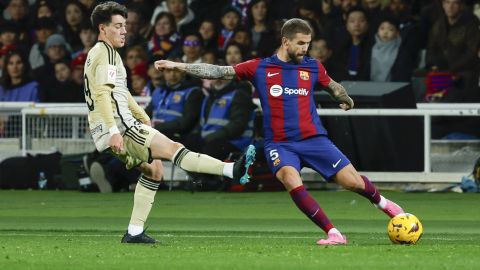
116, 30
298, 46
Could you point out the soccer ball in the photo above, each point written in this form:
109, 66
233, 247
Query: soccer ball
405, 229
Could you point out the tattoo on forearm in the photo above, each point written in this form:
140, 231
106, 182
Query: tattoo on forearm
336, 90
207, 71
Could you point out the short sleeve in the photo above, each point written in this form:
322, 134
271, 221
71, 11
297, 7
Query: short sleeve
246, 70
323, 78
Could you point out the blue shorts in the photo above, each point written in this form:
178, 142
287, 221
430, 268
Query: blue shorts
318, 153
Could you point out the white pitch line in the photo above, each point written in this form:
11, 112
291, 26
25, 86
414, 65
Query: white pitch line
195, 236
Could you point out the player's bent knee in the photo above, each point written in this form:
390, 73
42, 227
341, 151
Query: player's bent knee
153, 170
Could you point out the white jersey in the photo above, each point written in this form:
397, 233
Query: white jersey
103, 70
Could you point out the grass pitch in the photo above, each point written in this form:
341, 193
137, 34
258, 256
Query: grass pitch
72, 230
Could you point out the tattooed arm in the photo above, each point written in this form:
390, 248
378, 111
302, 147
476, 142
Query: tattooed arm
204, 71
338, 93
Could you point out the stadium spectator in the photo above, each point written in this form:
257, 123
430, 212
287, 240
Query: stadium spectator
16, 13
310, 11
57, 49
234, 54
165, 40
391, 58
208, 31
209, 57
353, 53
452, 47
226, 121
8, 35
155, 76
260, 23
44, 8
192, 48
139, 79
44, 28
88, 38
88, 5
64, 89
175, 106
74, 14
242, 38
78, 64
375, 12
135, 55
184, 16
16, 83
230, 21
137, 27
322, 51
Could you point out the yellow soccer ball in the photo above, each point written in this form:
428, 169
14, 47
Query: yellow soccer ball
405, 229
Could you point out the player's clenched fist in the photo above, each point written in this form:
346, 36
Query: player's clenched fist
165, 64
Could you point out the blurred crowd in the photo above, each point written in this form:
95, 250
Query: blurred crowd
43, 43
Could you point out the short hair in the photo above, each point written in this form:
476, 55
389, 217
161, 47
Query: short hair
295, 26
102, 13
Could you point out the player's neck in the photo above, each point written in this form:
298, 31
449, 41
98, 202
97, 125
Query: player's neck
104, 39
282, 55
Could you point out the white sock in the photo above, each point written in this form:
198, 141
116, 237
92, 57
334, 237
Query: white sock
382, 203
334, 230
228, 170
134, 229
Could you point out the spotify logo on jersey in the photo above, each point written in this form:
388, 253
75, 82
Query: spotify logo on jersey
276, 90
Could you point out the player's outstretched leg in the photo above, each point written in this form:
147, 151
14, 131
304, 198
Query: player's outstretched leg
201, 163
350, 179
142, 204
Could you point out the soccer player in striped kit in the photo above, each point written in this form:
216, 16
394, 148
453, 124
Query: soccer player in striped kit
294, 134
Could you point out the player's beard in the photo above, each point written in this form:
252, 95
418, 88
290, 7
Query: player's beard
294, 57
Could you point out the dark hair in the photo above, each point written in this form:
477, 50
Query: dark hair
169, 17
391, 21
268, 18
356, 9
240, 48
78, 5
295, 26
102, 13
6, 80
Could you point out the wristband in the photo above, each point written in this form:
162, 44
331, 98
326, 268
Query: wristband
113, 130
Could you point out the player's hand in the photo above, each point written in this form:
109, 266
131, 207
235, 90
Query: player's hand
165, 64
116, 143
346, 103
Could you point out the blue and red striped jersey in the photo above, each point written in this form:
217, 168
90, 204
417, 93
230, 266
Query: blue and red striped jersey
286, 95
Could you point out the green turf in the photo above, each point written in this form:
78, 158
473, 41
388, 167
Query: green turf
72, 230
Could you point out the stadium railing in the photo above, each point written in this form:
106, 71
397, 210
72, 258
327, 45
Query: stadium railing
38, 127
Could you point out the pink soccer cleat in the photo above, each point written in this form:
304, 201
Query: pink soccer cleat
333, 239
392, 209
